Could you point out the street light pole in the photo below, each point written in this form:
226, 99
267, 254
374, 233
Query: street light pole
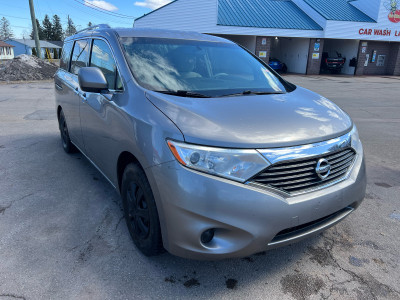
35, 30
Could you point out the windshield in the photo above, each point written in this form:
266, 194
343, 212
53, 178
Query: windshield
186, 67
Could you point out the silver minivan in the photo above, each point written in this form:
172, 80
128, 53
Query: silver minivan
213, 153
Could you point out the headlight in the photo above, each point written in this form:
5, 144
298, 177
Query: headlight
355, 141
239, 165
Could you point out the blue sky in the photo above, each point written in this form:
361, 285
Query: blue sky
80, 11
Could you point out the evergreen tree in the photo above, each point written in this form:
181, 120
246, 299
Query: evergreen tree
71, 29
89, 24
47, 28
57, 29
40, 31
5, 30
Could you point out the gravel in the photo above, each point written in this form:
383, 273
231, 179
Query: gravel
25, 67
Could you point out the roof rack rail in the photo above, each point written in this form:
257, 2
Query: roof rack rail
94, 27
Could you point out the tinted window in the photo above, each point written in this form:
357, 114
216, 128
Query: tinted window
80, 56
103, 59
66, 55
209, 68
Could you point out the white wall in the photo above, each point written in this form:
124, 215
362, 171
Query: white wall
351, 30
293, 52
189, 15
348, 49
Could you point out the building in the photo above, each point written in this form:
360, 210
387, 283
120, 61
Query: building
25, 46
297, 32
6, 51
57, 43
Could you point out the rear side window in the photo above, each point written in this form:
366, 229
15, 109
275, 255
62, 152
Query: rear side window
80, 56
66, 55
103, 59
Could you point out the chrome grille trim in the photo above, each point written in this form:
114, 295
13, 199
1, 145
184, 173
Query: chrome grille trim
305, 152
300, 179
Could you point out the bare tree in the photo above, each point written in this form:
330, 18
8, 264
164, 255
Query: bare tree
5, 29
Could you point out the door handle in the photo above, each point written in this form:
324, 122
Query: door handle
83, 96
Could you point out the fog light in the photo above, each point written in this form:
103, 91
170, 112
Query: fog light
207, 236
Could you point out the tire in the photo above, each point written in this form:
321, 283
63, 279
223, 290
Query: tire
140, 211
284, 69
65, 140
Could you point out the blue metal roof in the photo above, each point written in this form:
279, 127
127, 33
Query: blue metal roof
338, 10
283, 14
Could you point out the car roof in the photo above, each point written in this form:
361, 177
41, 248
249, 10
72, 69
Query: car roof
148, 32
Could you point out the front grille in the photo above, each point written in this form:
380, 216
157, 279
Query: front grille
298, 176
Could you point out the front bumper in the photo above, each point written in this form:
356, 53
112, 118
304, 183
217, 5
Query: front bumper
246, 219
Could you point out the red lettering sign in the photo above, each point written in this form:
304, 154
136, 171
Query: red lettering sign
363, 31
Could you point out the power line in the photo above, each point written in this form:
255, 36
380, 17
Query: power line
92, 6
14, 17
39, 11
21, 27
97, 15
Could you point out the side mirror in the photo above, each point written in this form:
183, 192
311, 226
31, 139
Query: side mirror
92, 80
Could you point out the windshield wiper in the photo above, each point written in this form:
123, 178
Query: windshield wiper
182, 93
249, 92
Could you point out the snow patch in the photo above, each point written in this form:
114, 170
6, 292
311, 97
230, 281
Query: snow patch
26, 67
29, 60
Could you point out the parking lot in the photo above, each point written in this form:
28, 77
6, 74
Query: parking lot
62, 234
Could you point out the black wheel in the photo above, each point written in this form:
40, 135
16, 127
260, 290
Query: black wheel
66, 141
140, 211
284, 69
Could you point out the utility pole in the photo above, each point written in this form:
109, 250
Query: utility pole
35, 30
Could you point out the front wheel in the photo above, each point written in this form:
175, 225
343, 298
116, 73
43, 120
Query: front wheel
140, 211
66, 141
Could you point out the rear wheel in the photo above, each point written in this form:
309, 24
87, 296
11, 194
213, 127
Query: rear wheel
140, 211
66, 141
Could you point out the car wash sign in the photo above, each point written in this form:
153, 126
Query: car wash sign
378, 32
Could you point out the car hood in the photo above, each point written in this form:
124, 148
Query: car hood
255, 121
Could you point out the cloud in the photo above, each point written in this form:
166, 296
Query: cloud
101, 4
153, 4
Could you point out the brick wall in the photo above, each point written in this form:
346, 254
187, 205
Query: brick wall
392, 59
314, 65
393, 67
360, 61
260, 47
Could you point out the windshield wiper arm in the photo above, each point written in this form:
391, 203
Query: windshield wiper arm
249, 92
182, 93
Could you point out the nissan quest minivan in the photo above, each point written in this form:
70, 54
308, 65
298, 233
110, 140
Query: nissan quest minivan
213, 153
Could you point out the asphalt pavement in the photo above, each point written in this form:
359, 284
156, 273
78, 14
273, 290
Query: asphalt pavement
63, 236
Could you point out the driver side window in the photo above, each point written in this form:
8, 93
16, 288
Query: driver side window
103, 59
